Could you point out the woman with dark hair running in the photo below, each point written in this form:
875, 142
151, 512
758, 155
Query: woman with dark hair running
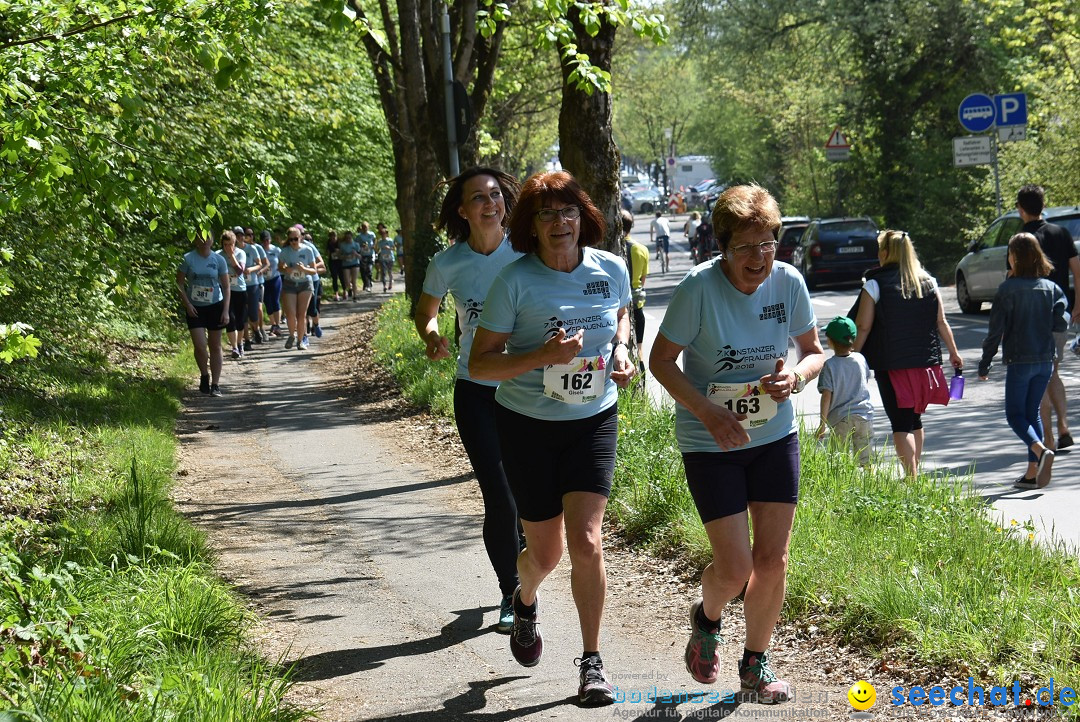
474, 214
554, 332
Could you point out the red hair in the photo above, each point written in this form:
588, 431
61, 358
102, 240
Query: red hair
552, 186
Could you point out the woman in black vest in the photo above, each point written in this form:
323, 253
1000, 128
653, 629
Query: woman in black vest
901, 324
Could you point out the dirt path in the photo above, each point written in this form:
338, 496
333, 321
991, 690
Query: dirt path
351, 522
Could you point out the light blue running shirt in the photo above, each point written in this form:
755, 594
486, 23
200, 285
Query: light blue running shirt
385, 248
255, 256
290, 257
730, 337
366, 241
273, 254
315, 255
236, 281
202, 276
467, 275
531, 302
345, 251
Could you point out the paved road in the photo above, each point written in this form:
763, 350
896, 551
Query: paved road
969, 437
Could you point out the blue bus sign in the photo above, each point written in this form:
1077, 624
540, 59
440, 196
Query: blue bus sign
977, 113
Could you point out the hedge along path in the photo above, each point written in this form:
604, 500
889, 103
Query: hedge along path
352, 523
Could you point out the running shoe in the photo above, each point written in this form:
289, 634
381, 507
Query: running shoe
594, 690
235, 353
757, 676
290, 341
256, 337
247, 344
1046, 461
275, 330
702, 654
526, 644
1065, 441
317, 330
215, 391
303, 344
506, 614
204, 384
1025, 483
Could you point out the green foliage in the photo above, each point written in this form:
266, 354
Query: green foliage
891, 75
177, 117
398, 347
1041, 40
655, 101
108, 608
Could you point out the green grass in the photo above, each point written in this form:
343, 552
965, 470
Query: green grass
109, 607
909, 570
398, 347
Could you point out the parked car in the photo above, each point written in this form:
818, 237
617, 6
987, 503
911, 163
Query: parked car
645, 200
695, 194
791, 230
835, 250
981, 271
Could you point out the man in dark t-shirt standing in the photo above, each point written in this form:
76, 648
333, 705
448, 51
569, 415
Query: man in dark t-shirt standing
1058, 246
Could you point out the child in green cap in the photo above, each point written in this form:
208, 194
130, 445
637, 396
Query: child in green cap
845, 397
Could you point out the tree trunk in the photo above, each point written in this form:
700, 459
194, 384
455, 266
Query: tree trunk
409, 76
592, 157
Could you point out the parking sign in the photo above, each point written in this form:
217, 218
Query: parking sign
1011, 109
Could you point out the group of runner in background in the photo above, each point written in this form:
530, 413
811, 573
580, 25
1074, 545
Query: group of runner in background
256, 291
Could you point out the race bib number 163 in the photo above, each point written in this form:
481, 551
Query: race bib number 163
744, 398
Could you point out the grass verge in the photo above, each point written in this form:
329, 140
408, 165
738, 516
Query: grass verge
912, 570
109, 608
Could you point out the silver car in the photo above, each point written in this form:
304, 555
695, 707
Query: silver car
981, 271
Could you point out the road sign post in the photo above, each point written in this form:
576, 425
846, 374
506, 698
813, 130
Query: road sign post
837, 147
979, 113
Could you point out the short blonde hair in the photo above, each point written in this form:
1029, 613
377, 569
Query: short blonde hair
743, 207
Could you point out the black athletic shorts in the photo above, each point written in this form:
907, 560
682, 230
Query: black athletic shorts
237, 310
208, 317
544, 460
724, 482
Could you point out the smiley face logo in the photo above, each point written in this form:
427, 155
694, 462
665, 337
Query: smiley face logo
862, 695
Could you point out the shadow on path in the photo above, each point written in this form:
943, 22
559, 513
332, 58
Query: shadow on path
468, 624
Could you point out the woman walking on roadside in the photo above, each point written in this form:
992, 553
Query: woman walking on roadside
474, 214
337, 272
900, 324
349, 250
384, 248
272, 293
297, 265
236, 260
1028, 309
554, 333
203, 282
731, 319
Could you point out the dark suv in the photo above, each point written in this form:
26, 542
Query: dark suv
835, 250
